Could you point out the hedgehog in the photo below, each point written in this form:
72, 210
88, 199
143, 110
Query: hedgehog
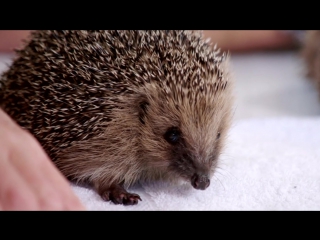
311, 55
117, 108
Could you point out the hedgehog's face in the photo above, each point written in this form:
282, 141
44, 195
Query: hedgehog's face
184, 138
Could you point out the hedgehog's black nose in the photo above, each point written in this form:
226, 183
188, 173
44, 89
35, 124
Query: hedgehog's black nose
200, 181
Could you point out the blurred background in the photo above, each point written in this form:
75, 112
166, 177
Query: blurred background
273, 84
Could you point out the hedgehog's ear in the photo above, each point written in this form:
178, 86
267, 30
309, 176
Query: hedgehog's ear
143, 108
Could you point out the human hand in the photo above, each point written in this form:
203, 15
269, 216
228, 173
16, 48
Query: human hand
28, 178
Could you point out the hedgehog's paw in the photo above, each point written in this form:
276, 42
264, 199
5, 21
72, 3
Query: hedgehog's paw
118, 195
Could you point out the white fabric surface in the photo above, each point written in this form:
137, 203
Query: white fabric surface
272, 157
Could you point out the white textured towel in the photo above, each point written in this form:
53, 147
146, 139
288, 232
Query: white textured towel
269, 164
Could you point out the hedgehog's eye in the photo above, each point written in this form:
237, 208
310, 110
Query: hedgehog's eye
218, 135
172, 135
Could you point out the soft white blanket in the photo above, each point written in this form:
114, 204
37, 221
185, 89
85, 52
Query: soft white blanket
272, 157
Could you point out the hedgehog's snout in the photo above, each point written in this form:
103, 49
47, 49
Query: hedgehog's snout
200, 181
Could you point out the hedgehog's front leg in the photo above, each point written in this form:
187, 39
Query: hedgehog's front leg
117, 194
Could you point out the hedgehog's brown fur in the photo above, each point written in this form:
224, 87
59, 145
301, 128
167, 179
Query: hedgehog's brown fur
311, 55
102, 104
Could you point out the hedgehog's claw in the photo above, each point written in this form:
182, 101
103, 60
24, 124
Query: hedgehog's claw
118, 195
